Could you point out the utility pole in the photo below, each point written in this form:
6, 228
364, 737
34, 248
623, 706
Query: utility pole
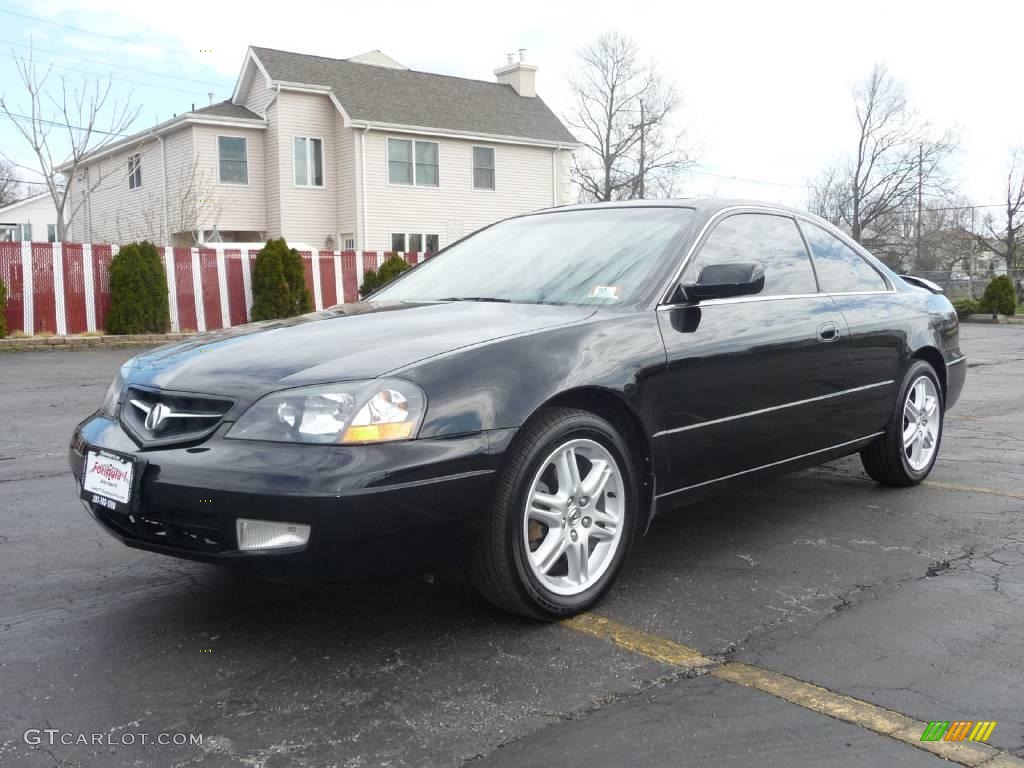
920, 186
643, 152
642, 126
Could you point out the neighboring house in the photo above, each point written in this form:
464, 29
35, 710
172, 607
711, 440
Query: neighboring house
34, 218
346, 153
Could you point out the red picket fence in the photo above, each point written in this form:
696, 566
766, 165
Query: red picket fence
64, 288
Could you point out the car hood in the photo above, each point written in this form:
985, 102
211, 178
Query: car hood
346, 342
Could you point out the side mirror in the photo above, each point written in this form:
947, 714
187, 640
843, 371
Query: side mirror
721, 281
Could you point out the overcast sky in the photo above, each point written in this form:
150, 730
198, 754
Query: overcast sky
767, 86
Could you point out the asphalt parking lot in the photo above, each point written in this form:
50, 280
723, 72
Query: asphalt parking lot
910, 599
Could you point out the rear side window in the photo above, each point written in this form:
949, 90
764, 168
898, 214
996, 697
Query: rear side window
840, 268
772, 240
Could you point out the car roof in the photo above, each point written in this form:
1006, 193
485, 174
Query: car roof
706, 205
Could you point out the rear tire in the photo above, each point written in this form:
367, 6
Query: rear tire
906, 453
563, 517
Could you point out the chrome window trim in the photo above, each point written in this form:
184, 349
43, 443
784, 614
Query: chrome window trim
796, 217
760, 411
721, 213
746, 300
772, 464
857, 248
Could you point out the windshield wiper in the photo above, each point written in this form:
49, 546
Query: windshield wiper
476, 298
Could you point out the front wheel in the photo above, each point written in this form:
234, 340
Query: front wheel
906, 453
562, 520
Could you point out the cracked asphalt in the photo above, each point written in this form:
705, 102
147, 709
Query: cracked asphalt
912, 599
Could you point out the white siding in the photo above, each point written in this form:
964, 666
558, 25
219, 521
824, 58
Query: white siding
39, 213
526, 178
232, 207
113, 213
309, 215
272, 166
258, 95
346, 179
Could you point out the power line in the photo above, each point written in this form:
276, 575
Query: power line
63, 125
112, 77
747, 181
97, 34
205, 83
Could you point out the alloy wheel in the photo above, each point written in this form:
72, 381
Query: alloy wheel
921, 422
573, 521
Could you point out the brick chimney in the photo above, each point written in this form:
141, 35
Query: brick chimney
520, 75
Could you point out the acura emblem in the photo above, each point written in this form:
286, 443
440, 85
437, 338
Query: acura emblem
156, 416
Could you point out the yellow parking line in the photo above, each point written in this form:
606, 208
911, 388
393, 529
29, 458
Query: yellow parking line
847, 709
637, 641
971, 489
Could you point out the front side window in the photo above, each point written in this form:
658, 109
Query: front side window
134, 171
601, 257
840, 268
308, 156
413, 162
233, 160
771, 240
483, 167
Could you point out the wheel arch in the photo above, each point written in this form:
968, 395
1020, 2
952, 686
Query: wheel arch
611, 406
933, 357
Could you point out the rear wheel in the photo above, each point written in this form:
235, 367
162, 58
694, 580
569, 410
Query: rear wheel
562, 520
906, 453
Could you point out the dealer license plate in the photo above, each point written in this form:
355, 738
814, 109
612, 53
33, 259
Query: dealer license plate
108, 480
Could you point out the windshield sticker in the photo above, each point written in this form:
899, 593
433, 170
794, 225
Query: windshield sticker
605, 292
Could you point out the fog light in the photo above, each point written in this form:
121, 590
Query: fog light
264, 534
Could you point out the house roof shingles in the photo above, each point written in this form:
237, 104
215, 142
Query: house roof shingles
422, 99
227, 109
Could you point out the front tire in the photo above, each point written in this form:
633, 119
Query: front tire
563, 517
906, 453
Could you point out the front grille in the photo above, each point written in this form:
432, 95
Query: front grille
191, 531
156, 417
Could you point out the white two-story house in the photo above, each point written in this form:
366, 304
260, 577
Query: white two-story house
359, 153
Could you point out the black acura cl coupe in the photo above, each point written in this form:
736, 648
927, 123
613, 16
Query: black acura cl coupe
527, 401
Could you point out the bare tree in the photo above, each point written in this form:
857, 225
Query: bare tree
11, 188
76, 111
622, 116
897, 160
1006, 244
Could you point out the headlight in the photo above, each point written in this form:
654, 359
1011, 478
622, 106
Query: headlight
108, 407
349, 412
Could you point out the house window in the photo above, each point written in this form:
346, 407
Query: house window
51, 233
348, 242
134, 171
309, 161
26, 233
232, 160
413, 162
483, 167
413, 242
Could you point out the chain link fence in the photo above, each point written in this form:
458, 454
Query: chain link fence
960, 285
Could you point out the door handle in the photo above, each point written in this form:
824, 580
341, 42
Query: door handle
828, 331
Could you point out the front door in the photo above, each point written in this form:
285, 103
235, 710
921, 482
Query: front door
754, 380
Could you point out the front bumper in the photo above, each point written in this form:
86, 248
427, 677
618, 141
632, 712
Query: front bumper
373, 509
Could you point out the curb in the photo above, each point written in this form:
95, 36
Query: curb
47, 343
997, 320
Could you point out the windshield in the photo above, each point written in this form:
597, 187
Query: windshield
597, 256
